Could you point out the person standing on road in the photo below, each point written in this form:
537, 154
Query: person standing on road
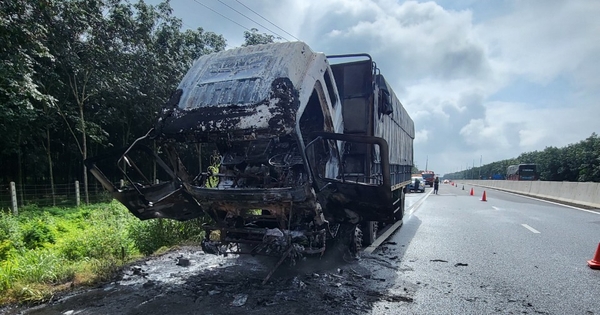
436, 185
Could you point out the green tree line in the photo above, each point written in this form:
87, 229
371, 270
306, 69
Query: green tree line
578, 162
80, 76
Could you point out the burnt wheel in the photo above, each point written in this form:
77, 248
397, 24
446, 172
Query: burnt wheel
348, 241
357, 241
369, 232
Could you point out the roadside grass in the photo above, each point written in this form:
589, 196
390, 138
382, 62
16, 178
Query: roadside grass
46, 250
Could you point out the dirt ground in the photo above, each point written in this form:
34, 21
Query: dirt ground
188, 281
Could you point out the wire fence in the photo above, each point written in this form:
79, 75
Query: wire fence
65, 195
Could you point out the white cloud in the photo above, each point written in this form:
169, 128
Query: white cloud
456, 66
421, 136
544, 39
411, 41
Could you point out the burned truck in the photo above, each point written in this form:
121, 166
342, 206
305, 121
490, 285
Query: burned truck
288, 151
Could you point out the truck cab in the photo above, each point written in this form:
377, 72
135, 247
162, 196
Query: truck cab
429, 177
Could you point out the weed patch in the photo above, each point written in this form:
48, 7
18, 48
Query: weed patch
149, 236
43, 250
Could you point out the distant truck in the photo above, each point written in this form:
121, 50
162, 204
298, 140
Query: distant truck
522, 172
288, 153
429, 177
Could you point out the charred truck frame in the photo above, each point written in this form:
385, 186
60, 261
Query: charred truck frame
304, 154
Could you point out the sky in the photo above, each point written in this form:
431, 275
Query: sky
483, 81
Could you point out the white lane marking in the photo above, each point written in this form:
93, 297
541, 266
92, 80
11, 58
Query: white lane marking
495, 208
417, 204
538, 199
530, 228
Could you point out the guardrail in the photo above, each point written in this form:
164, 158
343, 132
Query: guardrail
579, 193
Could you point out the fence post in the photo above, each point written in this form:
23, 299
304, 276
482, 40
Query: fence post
77, 199
13, 198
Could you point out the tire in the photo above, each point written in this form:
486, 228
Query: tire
358, 240
348, 241
369, 232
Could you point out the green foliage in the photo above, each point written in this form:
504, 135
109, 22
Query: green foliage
37, 234
75, 71
149, 236
45, 247
101, 242
30, 294
252, 37
7, 247
50, 246
42, 265
22, 49
10, 235
79, 71
9, 227
579, 162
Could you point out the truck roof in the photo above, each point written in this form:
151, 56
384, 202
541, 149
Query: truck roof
243, 76
250, 90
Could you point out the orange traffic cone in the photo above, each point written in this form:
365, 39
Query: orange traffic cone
483, 198
595, 263
471, 191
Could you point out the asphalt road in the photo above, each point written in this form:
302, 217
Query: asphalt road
509, 255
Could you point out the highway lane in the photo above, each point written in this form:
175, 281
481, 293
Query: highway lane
511, 254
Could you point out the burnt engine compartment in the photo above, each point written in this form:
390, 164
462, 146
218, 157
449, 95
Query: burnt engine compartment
257, 192
267, 163
260, 198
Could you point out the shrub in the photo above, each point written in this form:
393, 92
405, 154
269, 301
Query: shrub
148, 236
98, 233
6, 249
37, 233
100, 242
9, 227
10, 235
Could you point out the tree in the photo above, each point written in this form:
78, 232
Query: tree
78, 28
575, 162
100, 68
22, 48
252, 37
